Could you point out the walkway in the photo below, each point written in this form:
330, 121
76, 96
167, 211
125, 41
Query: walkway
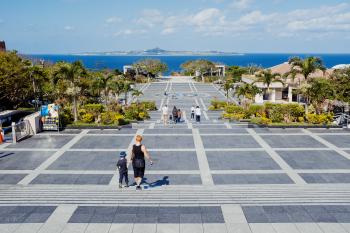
209, 177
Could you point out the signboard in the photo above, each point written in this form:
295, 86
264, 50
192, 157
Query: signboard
50, 117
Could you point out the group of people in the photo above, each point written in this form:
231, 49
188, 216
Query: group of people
176, 114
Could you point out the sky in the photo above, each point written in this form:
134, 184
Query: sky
245, 26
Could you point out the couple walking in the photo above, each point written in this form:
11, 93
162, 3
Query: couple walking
138, 155
196, 112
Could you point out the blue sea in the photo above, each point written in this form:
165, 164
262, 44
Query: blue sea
174, 62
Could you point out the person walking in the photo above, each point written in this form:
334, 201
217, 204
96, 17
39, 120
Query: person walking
138, 155
198, 114
192, 112
174, 114
165, 114
122, 166
179, 115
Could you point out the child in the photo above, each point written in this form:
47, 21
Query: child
122, 166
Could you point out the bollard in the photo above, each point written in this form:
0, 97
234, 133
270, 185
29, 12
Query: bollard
13, 125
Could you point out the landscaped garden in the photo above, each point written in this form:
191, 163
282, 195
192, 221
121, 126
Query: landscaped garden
85, 97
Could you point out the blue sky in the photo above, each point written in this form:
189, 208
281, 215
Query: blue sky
69, 26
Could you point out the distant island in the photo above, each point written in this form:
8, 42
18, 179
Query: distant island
158, 52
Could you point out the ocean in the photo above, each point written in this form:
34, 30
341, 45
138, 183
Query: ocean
174, 62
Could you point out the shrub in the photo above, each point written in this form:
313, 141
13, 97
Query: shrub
255, 111
108, 118
234, 116
88, 118
94, 109
234, 109
136, 112
149, 105
217, 105
284, 112
66, 116
319, 118
261, 120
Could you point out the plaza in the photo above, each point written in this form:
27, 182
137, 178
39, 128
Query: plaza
213, 176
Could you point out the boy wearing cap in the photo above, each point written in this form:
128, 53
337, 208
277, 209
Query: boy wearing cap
122, 166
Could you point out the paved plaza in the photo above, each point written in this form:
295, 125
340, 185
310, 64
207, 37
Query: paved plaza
215, 177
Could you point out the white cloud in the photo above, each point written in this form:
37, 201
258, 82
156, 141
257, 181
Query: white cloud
241, 4
113, 19
68, 28
205, 17
128, 32
167, 31
150, 18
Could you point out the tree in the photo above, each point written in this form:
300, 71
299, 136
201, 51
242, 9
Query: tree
204, 67
136, 93
127, 87
236, 72
104, 81
341, 81
72, 73
152, 67
248, 91
305, 67
39, 77
317, 91
227, 86
267, 78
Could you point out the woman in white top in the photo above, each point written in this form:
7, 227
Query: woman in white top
198, 114
165, 114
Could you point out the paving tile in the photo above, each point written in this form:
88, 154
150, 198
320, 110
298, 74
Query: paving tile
277, 130
84, 179
121, 228
332, 228
325, 178
242, 160
22, 160
338, 140
191, 218
285, 228
74, 228
43, 141
214, 227
124, 218
112, 131
238, 228
262, 228
158, 180
29, 228
291, 141
167, 131
251, 179
315, 159
308, 228
173, 160
103, 215
276, 214
255, 214
167, 142
103, 142
11, 178
319, 214
86, 160
98, 227
191, 228
223, 131
25, 214
168, 228
144, 228
229, 142
8, 228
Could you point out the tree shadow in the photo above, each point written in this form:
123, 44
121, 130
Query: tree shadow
3, 154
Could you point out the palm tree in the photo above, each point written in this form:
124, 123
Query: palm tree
104, 81
305, 67
227, 86
267, 78
71, 73
126, 89
248, 91
38, 77
136, 93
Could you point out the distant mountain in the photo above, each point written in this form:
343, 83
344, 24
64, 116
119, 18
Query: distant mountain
159, 52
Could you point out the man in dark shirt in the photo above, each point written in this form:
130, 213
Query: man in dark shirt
122, 166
